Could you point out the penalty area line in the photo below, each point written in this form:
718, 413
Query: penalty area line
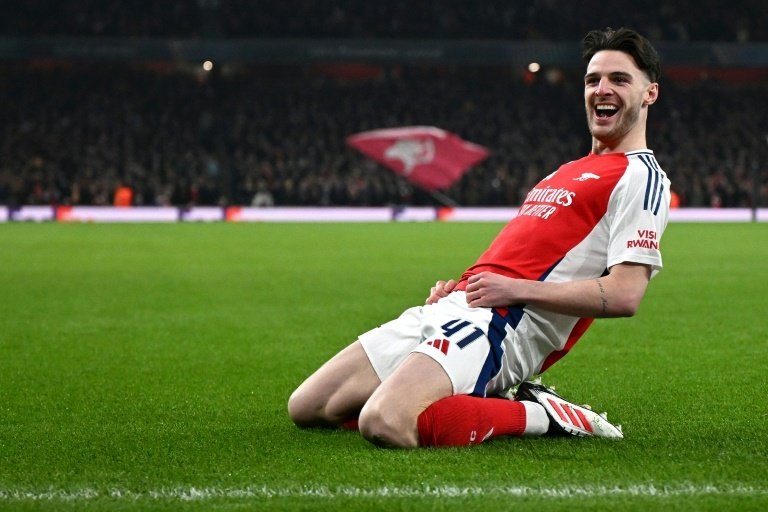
191, 493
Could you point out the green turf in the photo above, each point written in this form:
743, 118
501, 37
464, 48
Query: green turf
147, 367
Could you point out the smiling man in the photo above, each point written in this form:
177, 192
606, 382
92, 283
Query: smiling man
617, 94
584, 245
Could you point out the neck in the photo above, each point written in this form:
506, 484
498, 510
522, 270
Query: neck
623, 145
631, 140
603, 148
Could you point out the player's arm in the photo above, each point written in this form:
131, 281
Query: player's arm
617, 294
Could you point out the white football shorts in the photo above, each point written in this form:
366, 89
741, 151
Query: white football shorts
467, 342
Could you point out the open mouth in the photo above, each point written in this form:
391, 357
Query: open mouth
604, 111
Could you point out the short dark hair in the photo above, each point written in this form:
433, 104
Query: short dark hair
624, 40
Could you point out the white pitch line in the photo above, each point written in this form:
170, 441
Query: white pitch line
446, 491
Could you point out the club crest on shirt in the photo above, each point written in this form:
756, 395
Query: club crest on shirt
587, 176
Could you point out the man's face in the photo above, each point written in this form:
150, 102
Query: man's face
616, 94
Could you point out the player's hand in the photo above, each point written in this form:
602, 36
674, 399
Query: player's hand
490, 290
440, 290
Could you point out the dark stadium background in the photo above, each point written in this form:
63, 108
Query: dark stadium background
98, 94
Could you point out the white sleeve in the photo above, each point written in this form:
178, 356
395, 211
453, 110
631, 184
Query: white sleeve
639, 212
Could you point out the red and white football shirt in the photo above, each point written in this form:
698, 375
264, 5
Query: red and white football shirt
575, 224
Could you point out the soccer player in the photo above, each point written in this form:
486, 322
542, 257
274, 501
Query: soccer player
584, 245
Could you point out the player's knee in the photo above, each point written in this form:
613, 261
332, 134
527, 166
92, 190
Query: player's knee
385, 428
302, 410
309, 407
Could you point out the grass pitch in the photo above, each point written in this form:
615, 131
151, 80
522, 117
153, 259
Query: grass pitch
147, 367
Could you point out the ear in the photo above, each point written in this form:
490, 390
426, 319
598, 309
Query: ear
651, 94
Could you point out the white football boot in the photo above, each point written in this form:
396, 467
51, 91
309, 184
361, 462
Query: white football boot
566, 418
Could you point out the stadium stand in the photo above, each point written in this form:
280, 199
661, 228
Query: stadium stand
74, 132
680, 20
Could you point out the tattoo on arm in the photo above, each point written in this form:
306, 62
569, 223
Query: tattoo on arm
603, 299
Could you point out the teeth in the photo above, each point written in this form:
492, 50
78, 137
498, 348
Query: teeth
605, 107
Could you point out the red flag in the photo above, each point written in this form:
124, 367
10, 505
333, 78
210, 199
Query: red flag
426, 156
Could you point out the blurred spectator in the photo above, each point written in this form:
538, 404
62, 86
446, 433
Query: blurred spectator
123, 196
263, 197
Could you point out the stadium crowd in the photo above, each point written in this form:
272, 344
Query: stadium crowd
678, 20
275, 135
75, 133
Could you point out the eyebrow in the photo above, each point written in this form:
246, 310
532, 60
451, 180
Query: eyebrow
613, 75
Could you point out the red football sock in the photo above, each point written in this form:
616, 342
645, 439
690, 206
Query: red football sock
462, 420
350, 424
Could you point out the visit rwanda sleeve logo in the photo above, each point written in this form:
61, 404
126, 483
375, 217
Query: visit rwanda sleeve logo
646, 239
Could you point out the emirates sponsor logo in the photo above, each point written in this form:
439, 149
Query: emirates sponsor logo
543, 202
561, 196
